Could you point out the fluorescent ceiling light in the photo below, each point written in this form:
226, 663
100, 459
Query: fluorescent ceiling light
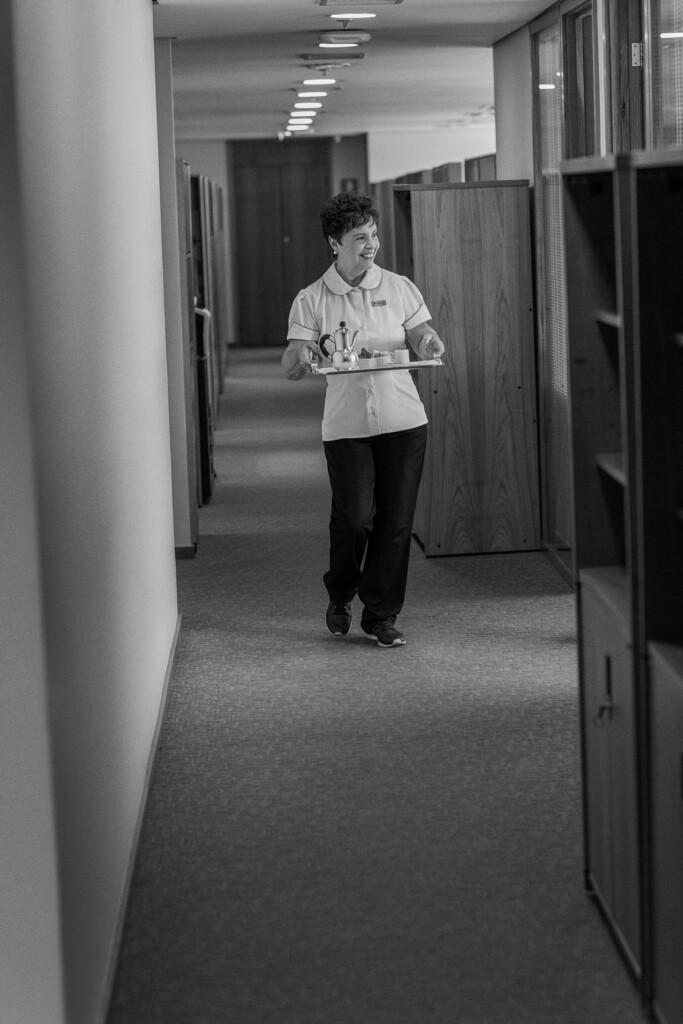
546, 85
298, 128
351, 17
671, 35
344, 38
301, 120
337, 46
304, 95
307, 106
320, 81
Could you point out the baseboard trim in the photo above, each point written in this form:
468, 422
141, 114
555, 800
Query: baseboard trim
189, 551
108, 991
563, 565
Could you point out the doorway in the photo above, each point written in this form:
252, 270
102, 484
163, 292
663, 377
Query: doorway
282, 187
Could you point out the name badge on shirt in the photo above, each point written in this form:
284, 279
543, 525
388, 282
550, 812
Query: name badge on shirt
379, 302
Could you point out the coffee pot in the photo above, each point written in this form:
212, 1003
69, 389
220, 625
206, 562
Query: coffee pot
339, 349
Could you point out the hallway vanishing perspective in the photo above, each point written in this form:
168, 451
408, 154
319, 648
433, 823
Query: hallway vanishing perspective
338, 834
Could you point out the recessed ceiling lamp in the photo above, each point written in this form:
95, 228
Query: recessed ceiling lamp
346, 19
344, 38
358, 3
337, 46
307, 106
298, 128
310, 95
317, 59
319, 81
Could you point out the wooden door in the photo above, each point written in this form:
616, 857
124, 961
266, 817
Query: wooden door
280, 189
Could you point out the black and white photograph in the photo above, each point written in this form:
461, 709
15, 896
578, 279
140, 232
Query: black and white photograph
341, 512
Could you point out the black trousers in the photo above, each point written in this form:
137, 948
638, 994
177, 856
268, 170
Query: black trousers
374, 489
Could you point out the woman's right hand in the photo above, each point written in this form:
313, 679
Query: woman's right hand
310, 353
298, 358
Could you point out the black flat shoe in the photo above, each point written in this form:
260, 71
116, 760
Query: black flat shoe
338, 618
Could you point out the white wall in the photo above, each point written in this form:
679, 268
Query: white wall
392, 154
180, 372
29, 899
514, 106
97, 365
349, 159
209, 158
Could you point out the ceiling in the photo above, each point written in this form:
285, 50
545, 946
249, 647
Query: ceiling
428, 65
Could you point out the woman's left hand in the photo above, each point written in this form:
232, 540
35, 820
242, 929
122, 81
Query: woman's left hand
431, 346
425, 342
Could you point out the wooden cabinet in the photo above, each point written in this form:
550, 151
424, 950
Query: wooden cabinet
609, 744
623, 226
600, 333
467, 247
666, 683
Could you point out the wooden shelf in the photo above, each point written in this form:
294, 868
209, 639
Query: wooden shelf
589, 165
436, 186
657, 159
608, 318
613, 464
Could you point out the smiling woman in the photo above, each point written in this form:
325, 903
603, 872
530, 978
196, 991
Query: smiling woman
374, 425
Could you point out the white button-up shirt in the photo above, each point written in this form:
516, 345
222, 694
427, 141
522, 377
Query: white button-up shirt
380, 309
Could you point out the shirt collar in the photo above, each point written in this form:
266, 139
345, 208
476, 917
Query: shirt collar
336, 283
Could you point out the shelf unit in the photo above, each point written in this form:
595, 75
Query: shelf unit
600, 352
624, 225
658, 275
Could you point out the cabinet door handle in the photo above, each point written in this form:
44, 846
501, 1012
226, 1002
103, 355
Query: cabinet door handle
606, 709
604, 713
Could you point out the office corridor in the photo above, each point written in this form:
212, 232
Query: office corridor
338, 834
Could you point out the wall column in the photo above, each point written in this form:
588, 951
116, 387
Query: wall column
30, 949
96, 346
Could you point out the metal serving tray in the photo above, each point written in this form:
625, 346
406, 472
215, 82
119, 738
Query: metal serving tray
418, 364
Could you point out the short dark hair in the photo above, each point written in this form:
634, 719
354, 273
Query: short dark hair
346, 211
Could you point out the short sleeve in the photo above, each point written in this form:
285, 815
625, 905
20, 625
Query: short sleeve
302, 321
413, 305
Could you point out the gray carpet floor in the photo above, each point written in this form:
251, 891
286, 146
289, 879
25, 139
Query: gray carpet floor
338, 834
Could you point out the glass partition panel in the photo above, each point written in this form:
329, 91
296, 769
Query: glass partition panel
666, 63
581, 127
556, 459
